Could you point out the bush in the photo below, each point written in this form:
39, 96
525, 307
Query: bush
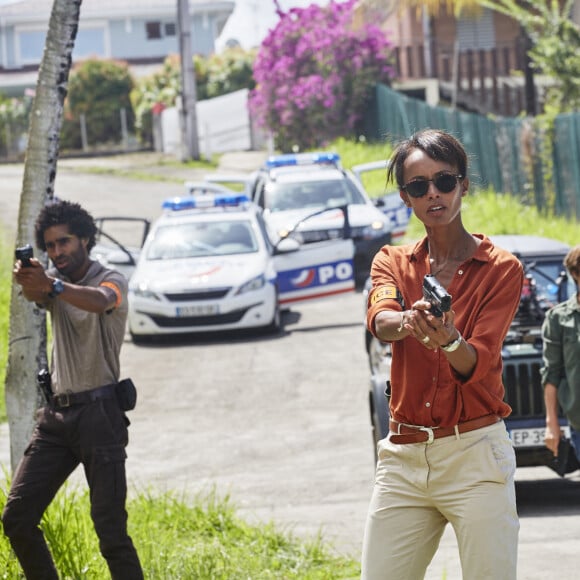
98, 89
314, 74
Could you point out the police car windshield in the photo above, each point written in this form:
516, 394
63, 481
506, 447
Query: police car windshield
311, 195
200, 239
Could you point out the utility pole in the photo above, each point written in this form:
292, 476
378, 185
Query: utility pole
189, 139
529, 84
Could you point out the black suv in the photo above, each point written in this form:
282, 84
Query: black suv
545, 285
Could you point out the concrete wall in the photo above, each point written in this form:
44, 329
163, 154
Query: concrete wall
223, 124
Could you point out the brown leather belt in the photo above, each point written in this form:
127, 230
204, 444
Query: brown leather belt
64, 400
404, 434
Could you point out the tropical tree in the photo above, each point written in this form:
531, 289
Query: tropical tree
314, 74
555, 45
431, 7
27, 344
554, 38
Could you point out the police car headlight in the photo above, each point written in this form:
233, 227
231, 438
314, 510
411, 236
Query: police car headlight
252, 285
374, 230
142, 291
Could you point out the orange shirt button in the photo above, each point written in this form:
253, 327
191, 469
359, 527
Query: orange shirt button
427, 404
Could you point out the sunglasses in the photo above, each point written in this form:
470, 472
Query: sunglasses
444, 182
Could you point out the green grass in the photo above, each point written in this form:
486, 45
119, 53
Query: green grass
356, 152
5, 285
140, 174
177, 538
129, 174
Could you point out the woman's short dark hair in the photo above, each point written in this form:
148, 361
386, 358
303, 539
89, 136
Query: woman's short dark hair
438, 145
572, 261
65, 213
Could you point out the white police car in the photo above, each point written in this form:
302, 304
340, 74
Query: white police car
209, 264
292, 186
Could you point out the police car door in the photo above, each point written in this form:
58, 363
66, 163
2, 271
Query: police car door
314, 271
390, 204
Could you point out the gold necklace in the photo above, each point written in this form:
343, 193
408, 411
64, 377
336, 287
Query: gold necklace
434, 273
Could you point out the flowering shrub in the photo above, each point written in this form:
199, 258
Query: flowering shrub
314, 74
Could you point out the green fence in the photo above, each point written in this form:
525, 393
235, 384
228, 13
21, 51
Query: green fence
510, 155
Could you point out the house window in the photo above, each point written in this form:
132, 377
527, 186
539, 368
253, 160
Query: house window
476, 32
153, 30
90, 42
170, 29
31, 44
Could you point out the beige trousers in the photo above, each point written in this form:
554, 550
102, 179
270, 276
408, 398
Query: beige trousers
467, 481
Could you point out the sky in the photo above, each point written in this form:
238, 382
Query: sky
252, 19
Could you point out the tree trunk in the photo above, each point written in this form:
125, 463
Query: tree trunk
27, 345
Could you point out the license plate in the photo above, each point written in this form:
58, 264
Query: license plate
532, 437
200, 310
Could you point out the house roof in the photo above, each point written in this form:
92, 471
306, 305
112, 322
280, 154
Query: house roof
35, 10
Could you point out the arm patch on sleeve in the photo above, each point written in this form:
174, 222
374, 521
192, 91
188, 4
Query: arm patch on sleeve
388, 292
117, 292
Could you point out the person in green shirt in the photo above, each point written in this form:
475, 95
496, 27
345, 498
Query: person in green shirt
561, 354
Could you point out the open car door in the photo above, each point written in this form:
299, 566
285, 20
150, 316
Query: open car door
119, 241
390, 204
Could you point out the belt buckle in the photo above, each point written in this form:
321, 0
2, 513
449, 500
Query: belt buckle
430, 434
63, 400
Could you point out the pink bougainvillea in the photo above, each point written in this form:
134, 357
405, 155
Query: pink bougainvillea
315, 72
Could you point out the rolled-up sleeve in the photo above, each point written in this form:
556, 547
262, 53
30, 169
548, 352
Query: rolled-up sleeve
552, 354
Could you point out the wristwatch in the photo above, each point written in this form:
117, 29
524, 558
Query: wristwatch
57, 288
453, 345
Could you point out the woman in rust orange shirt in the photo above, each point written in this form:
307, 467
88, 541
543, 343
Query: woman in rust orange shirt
448, 458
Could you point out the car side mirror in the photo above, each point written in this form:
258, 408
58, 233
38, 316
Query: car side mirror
119, 259
287, 245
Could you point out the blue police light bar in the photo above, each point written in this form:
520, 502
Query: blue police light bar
204, 202
319, 158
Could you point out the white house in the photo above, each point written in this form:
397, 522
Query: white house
140, 32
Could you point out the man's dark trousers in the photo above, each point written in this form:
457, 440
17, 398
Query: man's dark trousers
95, 435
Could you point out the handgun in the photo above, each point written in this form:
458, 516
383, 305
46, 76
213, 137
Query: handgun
436, 295
44, 383
24, 253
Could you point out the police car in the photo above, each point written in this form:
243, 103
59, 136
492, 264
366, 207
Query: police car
292, 186
209, 263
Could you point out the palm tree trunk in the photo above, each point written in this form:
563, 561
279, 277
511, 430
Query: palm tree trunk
27, 345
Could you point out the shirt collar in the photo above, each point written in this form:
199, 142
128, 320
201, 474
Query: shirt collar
572, 302
419, 251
